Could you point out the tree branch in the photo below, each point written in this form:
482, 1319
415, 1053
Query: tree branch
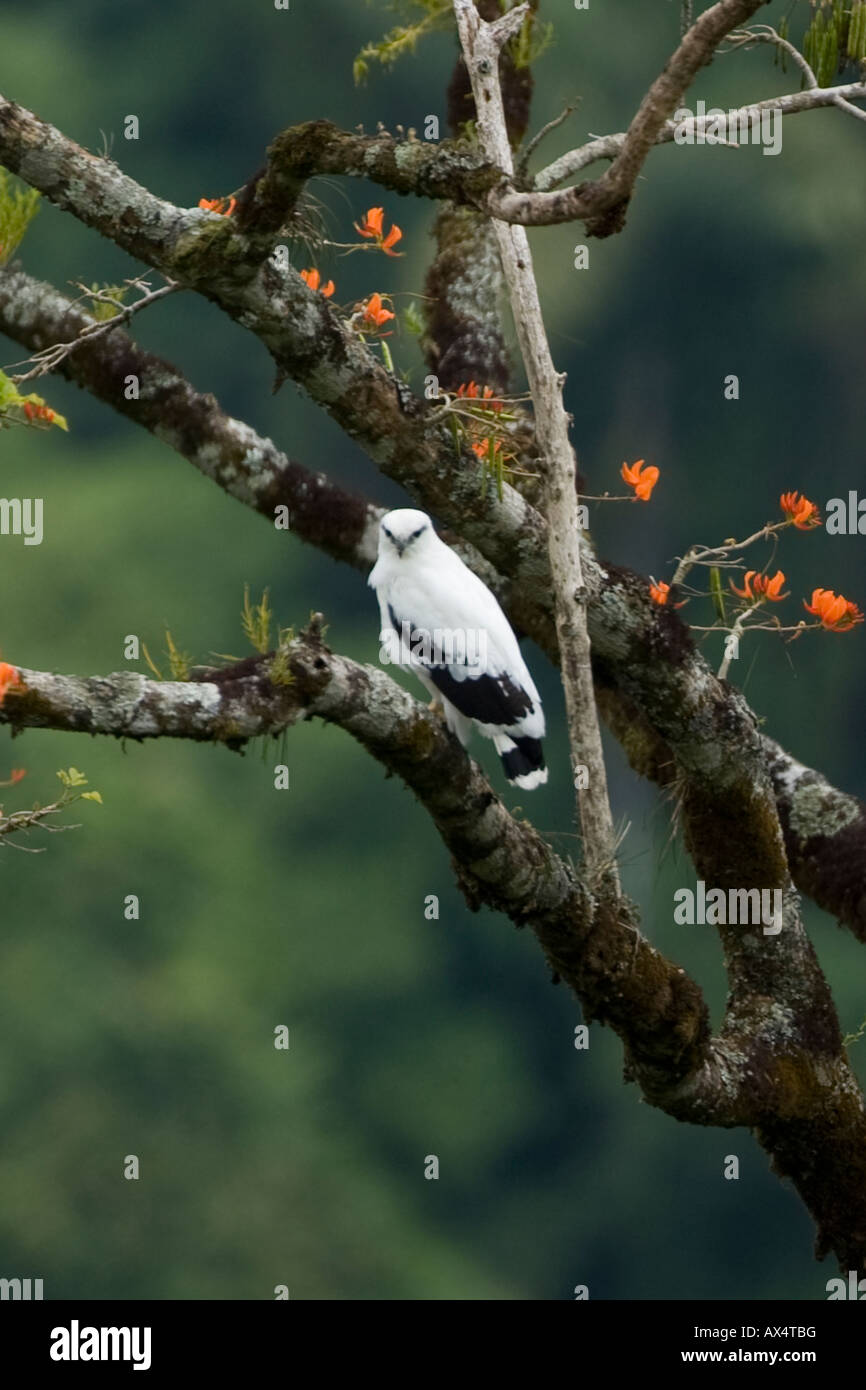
696, 49
343, 525
409, 439
609, 146
825, 838
243, 463
500, 861
465, 338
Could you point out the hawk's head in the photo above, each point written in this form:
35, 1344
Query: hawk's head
404, 531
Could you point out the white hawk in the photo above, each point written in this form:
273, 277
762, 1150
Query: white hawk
442, 622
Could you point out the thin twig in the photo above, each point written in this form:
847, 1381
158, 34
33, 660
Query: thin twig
527, 153
50, 358
765, 33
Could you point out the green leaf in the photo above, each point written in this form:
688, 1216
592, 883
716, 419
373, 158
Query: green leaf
717, 593
99, 309
71, 777
18, 207
413, 319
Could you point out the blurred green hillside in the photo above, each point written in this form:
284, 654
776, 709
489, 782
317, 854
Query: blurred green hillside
305, 908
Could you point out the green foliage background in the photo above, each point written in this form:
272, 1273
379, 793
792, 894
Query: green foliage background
305, 908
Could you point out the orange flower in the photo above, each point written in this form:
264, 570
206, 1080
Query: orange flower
486, 398
641, 477
760, 586
800, 510
374, 312
9, 677
17, 774
314, 280
660, 593
372, 224
770, 588
837, 614
218, 205
371, 228
746, 591
482, 448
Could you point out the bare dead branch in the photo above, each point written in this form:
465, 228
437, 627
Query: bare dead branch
609, 146
481, 44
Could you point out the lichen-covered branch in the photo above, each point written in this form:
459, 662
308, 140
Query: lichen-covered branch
825, 837
406, 436
464, 340
243, 463
451, 169
456, 171
499, 860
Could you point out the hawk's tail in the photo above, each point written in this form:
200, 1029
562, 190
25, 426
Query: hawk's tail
522, 761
